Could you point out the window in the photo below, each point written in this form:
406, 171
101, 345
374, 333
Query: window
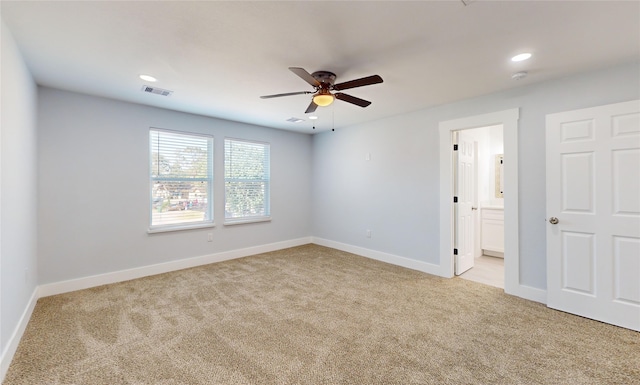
181, 179
246, 181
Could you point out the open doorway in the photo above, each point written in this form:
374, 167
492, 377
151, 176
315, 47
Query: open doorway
509, 121
478, 180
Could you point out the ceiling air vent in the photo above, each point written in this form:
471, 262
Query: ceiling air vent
295, 120
156, 90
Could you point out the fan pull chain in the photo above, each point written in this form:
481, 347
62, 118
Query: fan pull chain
333, 118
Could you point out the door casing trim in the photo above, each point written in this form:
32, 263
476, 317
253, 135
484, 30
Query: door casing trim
509, 120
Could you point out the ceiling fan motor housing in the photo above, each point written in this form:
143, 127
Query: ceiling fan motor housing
326, 78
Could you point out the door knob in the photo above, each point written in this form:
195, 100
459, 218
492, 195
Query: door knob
553, 220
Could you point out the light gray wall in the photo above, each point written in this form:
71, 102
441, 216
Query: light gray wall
18, 187
94, 187
396, 193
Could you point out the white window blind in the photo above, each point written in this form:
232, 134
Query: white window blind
181, 179
246, 180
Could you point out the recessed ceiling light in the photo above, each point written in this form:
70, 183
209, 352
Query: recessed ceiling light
313, 117
521, 57
148, 78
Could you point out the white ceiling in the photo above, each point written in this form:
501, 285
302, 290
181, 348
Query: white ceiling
219, 57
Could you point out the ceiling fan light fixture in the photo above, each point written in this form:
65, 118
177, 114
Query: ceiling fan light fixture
323, 99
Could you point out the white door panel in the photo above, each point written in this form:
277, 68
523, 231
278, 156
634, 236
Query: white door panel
465, 192
626, 182
578, 258
593, 189
578, 182
626, 261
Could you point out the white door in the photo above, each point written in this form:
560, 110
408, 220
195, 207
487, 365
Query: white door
593, 213
464, 192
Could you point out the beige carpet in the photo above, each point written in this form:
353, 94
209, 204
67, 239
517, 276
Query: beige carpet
313, 315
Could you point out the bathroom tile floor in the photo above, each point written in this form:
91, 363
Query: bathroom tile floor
487, 270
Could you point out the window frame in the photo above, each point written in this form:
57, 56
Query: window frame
267, 204
210, 188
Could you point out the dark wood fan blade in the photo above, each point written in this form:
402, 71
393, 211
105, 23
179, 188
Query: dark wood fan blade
287, 94
373, 79
312, 107
352, 99
305, 76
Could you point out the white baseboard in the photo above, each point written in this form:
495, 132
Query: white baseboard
125, 275
14, 340
160, 268
531, 293
380, 256
491, 253
519, 290
526, 292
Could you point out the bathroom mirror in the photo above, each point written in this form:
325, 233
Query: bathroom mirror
499, 176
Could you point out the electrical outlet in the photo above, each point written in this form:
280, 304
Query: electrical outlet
368, 233
209, 237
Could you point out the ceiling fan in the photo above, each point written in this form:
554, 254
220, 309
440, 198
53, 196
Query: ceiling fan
323, 83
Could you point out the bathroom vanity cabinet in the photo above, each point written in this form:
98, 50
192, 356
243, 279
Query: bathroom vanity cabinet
493, 231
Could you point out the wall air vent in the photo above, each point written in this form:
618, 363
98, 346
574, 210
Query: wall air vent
156, 90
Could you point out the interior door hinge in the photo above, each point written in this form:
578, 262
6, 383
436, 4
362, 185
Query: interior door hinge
455, 199
455, 251
455, 147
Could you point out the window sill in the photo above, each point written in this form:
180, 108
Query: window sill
166, 229
242, 221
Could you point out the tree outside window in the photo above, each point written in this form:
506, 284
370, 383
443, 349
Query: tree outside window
247, 180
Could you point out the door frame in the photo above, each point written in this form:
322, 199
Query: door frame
509, 121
